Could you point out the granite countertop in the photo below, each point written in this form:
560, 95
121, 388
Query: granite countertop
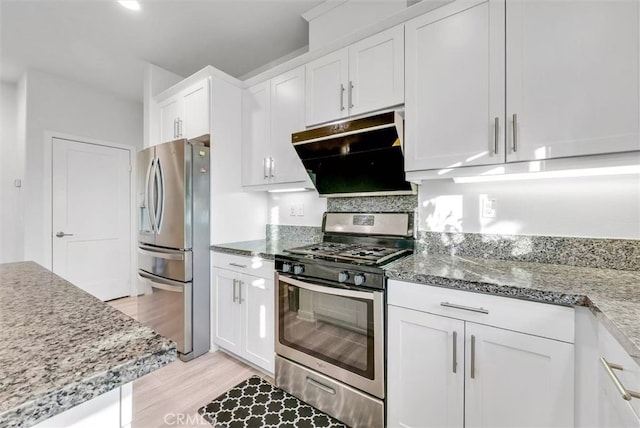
61, 346
262, 248
612, 295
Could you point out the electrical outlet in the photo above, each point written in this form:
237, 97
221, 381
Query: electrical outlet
296, 210
488, 208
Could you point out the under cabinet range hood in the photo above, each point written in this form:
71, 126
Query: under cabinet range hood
359, 157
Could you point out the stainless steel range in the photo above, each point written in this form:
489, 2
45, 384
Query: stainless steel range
330, 310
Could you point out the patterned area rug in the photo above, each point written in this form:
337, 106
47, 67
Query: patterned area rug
257, 403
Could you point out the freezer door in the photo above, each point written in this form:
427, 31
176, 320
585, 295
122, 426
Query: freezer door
174, 193
170, 264
166, 307
144, 168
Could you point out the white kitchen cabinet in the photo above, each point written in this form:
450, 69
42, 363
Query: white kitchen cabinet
572, 78
613, 409
571, 86
364, 77
505, 374
187, 113
271, 112
243, 308
425, 370
515, 379
455, 86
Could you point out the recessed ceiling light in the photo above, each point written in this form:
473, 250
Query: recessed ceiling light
130, 4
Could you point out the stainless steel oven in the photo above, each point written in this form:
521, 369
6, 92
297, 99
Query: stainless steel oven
337, 331
330, 315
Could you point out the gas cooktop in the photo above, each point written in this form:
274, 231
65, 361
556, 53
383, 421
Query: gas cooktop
352, 252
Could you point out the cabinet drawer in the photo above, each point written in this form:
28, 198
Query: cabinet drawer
244, 264
540, 319
629, 376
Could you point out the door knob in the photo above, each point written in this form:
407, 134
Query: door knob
62, 234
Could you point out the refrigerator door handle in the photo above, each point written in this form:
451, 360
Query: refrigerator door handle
160, 205
147, 196
151, 189
162, 283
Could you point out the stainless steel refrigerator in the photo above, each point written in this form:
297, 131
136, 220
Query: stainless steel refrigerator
173, 243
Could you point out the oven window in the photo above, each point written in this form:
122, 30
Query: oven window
336, 329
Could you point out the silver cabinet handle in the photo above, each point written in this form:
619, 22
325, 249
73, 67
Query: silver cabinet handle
496, 135
175, 128
238, 265
240, 291
609, 367
180, 128
350, 94
455, 351
464, 308
321, 386
265, 173
272, 167
341, 97
515, 132
473, 357
62, 234
235, 292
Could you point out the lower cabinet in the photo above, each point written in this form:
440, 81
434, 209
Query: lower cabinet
242, 316
622, 375
453, 371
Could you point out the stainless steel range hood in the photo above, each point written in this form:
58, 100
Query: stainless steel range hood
359, 157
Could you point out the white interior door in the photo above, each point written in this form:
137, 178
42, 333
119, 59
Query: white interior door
91, 217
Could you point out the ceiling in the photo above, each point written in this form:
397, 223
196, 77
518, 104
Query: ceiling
103, 44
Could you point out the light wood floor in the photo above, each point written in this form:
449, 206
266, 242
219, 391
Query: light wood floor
171, 395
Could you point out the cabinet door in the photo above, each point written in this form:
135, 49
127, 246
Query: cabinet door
196, 110
376, 72
425, 369
326, 87
169, 115
287, 117
455, 86
517, 380
226, 310
572, 78
257, 299
256, 132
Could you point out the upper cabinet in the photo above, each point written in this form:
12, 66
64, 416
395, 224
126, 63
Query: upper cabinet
186, 114
364, 77
271, 112
566, 85
572, 78
455, 86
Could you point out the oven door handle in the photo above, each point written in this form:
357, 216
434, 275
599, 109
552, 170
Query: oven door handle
327, 290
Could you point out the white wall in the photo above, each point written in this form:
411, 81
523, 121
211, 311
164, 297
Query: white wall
280, 208
54, 104
595, 207
328, 23
11, 168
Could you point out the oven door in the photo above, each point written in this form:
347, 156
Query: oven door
336, 331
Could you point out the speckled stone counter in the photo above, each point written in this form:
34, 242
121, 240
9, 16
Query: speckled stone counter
262, 248
62, 347
612, 295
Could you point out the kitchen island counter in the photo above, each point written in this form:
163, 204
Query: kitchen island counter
63, 347
612, 295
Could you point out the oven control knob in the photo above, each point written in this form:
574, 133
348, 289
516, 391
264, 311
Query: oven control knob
343, 276
359, 279
286, 267
298, 269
